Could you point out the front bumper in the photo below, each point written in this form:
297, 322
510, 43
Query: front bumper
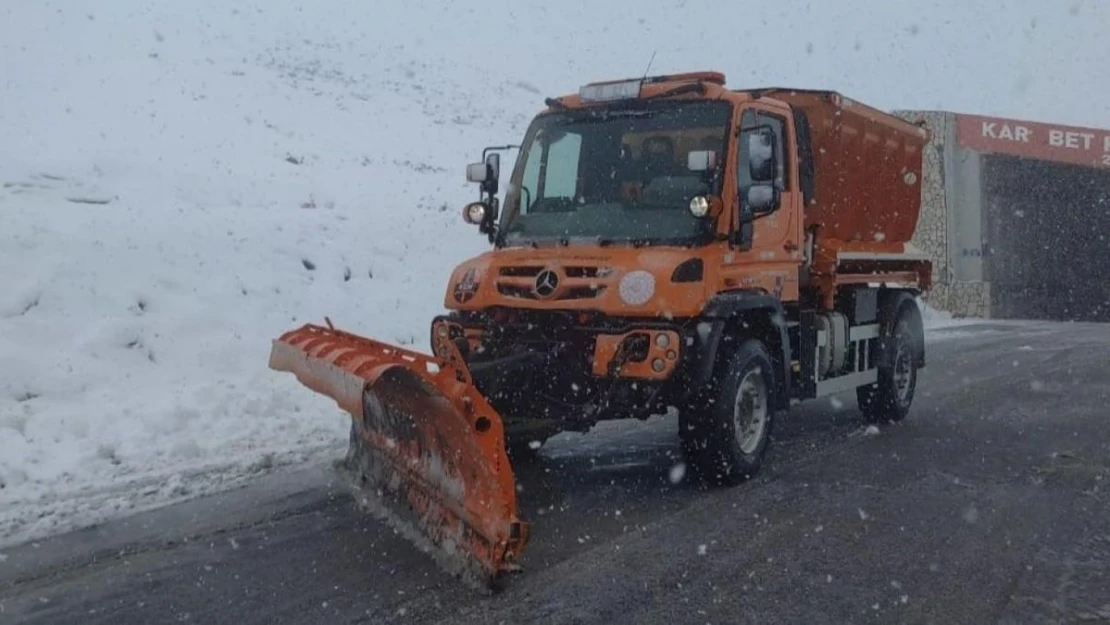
573, 367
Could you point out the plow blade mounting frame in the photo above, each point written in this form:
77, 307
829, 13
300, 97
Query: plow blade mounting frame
427, 451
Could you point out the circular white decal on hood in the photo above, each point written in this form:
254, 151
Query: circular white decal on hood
637, 287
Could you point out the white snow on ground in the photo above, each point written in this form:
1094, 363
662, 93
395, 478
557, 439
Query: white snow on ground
934, 319
135, 341
181, 182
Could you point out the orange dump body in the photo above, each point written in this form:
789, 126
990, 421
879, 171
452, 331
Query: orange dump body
867, 169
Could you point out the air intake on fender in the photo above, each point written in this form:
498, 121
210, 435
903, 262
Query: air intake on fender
689, 271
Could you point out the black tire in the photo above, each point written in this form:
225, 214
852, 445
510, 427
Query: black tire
890, 398
708, 431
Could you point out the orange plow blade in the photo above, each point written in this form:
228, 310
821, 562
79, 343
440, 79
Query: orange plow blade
427, 451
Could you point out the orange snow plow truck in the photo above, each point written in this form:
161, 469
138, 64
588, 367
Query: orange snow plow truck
663, 242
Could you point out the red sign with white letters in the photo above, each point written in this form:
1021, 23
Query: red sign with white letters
1050, 142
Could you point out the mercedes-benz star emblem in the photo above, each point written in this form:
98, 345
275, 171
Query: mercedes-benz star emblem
546, 283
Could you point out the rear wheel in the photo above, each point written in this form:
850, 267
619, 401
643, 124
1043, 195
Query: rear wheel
890, 398
725, 438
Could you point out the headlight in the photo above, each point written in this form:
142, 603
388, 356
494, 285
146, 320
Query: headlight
475, 212
699, 206
637, 287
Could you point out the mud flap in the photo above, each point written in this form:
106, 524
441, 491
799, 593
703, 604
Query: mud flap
427, 451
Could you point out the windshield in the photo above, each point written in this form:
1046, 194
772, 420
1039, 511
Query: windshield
612, 176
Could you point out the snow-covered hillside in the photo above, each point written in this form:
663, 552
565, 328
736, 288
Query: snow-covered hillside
180, 182
180, 185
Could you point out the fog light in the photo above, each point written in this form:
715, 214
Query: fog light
475, 212
441, 331
662, 341
671, 355
699, 206
657, 365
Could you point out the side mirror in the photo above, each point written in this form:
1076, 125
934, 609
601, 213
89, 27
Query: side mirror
701, 160
477, 172
493, 165
486, 173
761, 155
762, 198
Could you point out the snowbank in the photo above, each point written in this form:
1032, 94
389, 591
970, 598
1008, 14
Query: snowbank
934, 319
135, 339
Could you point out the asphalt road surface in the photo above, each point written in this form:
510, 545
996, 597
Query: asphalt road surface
989, 504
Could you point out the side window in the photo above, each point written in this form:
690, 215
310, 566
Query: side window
561, 176
778, 124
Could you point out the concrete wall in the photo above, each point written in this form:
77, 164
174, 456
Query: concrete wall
950, 228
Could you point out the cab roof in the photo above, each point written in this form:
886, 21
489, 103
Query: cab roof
706, 84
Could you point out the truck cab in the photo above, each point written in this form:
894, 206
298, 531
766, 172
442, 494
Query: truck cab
668, 242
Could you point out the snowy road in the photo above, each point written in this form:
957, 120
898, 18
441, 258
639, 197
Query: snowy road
988, 505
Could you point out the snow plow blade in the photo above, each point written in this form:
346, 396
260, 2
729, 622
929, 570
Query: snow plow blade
427, 451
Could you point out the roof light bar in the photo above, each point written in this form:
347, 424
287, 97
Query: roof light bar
609, 91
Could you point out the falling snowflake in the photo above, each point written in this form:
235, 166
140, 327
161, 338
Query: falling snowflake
971, 514
678, 472
702, 550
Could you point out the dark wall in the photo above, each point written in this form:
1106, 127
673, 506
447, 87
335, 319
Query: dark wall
1047, 231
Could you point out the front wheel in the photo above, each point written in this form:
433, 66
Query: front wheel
726, 440
888, 400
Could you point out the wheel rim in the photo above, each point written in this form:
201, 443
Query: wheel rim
903, 374
749, 414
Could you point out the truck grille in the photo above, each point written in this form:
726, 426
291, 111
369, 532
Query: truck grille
575, 282
530, 271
